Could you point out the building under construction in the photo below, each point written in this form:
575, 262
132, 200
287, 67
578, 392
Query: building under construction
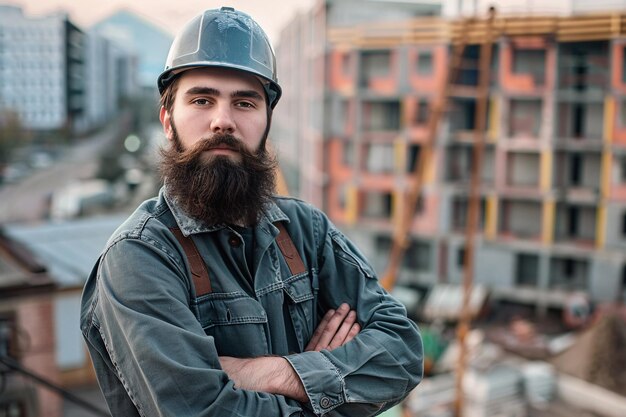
361, 80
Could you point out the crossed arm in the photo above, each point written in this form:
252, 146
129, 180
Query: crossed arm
274, 374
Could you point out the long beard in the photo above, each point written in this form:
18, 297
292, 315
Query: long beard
218, 190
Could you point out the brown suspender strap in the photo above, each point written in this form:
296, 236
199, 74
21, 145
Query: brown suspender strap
199, 272
289, 251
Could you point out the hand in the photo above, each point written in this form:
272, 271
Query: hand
337, 328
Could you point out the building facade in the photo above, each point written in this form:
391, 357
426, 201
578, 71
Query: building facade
353, 120
55, 76
111, 75
27, 333
41, 69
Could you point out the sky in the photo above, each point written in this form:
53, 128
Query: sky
170, 15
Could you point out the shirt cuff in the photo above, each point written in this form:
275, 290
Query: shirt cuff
321, 380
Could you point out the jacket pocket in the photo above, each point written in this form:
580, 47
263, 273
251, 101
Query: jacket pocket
236, 322
346, 251
301, 295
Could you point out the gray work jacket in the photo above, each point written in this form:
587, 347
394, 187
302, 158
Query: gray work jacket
155, 345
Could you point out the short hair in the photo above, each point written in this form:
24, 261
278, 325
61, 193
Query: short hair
167, 98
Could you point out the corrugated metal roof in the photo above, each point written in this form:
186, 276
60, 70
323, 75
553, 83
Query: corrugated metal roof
20, 272
70, 248
445, 301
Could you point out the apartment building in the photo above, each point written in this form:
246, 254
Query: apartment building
56, 76
353, 120
41, 68
111, 77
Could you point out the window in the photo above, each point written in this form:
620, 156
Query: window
530, 61
463, 114
374, 64
413, 157
9, 341
525, 117
458, 163
624, 224
568, 267
421, 113
576, 169
460, 211
468, 75
377, 205
578, 121
417, 256
527, 269
425, 63
460, 257
381, 116
573, 214
380, 158
569, 274
383, 244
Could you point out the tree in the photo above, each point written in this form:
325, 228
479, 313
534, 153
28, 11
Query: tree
11, 133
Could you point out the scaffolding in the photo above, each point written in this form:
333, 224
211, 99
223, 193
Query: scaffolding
483, 32
431, 31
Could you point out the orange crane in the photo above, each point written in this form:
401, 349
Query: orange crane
403, 226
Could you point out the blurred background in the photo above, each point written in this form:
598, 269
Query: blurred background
474, 150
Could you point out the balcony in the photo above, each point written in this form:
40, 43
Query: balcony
525, 67
580, 125
575, 225
583, 69
577, 175
520, 219
381, 116
378, 71
458, 167
569, 274
523, 171
525, 116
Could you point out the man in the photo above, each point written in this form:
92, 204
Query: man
219, 299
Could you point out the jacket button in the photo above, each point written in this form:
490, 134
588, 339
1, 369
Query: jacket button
234, 241
325, 402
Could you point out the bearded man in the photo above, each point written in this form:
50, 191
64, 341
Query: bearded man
217, 298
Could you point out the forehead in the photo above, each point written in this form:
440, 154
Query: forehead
221, 79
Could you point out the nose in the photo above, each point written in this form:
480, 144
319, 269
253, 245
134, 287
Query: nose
222, 121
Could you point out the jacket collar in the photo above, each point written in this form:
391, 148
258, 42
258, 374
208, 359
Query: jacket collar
189, 226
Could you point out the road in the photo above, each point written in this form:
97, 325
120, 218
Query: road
26, 201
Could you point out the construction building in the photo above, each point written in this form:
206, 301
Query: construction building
359, 89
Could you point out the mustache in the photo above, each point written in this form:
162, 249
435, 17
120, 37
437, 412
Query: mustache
219, 141
206, 144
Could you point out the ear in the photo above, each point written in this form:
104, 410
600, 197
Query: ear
166, 121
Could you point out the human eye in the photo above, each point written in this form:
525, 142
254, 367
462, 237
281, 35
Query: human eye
200, 101
245, 104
